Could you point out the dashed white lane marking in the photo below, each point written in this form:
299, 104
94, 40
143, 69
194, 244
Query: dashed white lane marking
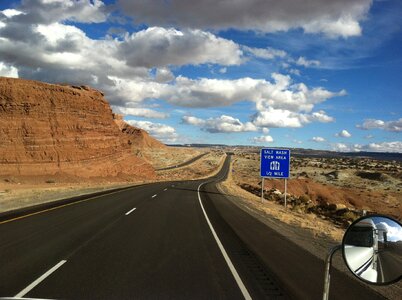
129, 212
235, 274
154, 195
39, 280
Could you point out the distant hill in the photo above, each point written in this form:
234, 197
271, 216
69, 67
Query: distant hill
306, 152
374, 155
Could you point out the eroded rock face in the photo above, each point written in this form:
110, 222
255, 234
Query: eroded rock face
48, 129
137, 137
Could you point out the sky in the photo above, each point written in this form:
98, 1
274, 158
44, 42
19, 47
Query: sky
393, 229
303, 74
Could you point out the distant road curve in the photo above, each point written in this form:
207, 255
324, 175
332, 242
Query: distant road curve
183, 164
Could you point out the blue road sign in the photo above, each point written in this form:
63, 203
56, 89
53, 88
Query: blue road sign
275, 163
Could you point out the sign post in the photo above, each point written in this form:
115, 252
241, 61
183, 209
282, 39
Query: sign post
262, 190
275, 163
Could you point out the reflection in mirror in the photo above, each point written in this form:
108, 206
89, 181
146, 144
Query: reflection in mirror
372, 249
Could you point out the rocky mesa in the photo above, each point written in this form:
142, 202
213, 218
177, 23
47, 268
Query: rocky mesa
59, 129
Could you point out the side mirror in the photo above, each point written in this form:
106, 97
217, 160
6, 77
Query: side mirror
372, 249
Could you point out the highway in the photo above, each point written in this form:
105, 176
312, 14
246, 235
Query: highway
389, 264
170, 240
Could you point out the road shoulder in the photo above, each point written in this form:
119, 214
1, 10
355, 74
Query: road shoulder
316, 240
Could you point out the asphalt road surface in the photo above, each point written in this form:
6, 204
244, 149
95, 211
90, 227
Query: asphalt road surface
159, 241
184, 164
390, 265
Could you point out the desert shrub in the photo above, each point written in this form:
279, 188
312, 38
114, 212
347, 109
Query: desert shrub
304, 198
350, 216
371, 175
298, 208
50, 181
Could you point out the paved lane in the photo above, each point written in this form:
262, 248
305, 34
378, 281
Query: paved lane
154, 241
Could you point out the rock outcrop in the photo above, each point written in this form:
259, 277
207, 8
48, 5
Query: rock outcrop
137, 137
57, 129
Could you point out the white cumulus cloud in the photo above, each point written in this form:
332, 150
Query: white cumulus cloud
220, 124
394, 147
341, 147
49, 11
267, 53
302, 61
318, 139
344, 133
335, 18
278, 118
394, 233
395, 126
279, 94
140, 112
8, 71
39, 40
271, 117
137, 67
321, 116
164, 75
223, 70
264, 139
159, 47
384, 147
162, 132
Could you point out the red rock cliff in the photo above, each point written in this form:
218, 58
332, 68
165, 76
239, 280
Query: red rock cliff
49, 129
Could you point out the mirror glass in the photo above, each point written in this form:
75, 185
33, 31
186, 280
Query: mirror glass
372, 249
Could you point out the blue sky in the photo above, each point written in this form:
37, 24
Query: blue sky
316, 74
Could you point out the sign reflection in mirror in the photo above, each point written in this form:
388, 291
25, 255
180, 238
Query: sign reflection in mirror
372, 249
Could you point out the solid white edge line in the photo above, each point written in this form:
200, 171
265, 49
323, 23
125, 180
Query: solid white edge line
236, 276
129, 212
39, 280
154, 195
